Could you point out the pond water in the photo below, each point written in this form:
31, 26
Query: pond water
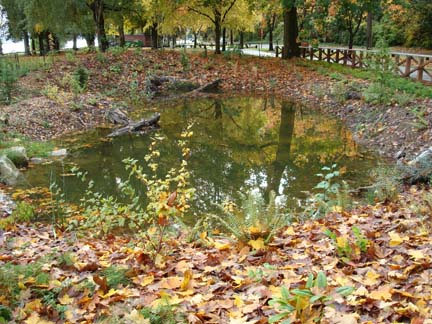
239, 144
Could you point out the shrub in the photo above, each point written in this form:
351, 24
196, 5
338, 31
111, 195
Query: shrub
81, 76
8, 77
255, 220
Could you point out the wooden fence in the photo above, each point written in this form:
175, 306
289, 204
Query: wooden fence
418, 66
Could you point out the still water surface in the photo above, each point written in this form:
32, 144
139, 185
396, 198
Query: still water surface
239, 144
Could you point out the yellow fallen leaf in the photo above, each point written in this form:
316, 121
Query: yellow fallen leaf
66, 300
165, 300
110, 293
35, 319
146, 281
371, 278
395, 239
186, 280
33, 306
289, 231
385, 293
416, 255
137, 318
238, 301
222, 246
257, 244
170, 283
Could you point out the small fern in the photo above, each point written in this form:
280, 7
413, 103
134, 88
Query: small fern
255, 219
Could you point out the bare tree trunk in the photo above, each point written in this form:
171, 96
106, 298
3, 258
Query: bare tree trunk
41, 44
290, 47
33, 45
195, 39
90, 40
218, 32
231, 38
241, 41
154, 36
74, 40
97, 8
26, 43
224, 39
369, 40
1, 47
121, 33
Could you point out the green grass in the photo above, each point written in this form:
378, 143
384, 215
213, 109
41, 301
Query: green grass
34, 148
395, 83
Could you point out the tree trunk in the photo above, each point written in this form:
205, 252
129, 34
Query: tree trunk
154, 36
218, 32
47, 41
74, 40
90, 40
195, 40
224, 39
26, 43
41, 44
231, 38
241, 41
33, 46
1, 47
174, 41
97, 8
351, 40
56, 42
271, 48
121, 33
290, 46
369, 40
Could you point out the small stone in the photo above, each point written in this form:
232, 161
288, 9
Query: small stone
61, 152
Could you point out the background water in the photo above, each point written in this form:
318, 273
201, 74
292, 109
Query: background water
239, 144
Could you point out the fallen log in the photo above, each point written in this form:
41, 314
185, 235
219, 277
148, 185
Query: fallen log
209, 87
134, 127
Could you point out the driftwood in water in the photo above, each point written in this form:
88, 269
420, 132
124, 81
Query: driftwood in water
419, 169
138, 126
209, 87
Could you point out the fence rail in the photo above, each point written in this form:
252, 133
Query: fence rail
418, 66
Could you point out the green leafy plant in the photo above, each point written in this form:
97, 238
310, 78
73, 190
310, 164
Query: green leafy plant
115, 276
387, 184
81, 76
255, 219
330, 195
166, 198
304, 304
24, 212
347, 247
165, 314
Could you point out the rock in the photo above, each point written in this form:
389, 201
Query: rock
9, 174
61, 152
6, 205
37, 160
18, 155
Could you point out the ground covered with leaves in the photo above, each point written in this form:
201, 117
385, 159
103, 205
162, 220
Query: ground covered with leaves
372, 265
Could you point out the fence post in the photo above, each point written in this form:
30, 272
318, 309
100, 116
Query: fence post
353, 58
311, 53
420, 69
408, 65
328, 55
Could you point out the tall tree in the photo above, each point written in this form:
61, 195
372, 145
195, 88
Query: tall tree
216, 11
290, 39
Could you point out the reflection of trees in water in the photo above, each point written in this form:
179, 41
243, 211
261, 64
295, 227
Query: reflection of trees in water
238, 145
286, 131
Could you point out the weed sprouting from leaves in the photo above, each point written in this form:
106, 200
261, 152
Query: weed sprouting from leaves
349, 248
307, 303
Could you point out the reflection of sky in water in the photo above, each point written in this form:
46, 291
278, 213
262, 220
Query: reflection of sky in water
239, 145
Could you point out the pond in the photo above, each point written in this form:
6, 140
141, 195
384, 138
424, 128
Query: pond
239, 144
